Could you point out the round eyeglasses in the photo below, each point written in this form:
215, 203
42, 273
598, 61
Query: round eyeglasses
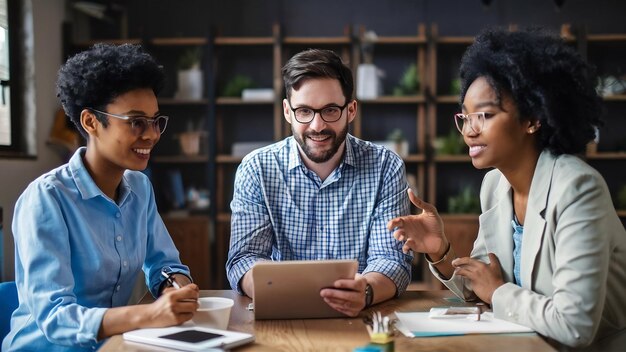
139, 124
331, 113
475, 121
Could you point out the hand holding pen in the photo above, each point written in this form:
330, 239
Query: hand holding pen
177, 303
169, 277
168, 273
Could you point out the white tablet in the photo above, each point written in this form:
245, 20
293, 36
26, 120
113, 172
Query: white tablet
189, 338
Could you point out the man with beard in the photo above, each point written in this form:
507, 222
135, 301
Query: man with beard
321, 193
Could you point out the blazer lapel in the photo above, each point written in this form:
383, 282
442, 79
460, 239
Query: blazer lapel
535, 223
495, 224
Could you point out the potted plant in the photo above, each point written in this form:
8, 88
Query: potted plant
190, 76
409, 82
452, 144
466, 202
401, 146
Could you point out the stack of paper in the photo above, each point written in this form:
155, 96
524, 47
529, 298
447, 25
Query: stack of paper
418, 324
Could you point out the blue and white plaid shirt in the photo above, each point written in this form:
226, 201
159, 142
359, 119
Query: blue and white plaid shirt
281, 210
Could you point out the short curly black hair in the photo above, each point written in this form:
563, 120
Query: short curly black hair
547, 79
95, 77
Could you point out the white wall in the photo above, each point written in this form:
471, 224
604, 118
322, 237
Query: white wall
16, 174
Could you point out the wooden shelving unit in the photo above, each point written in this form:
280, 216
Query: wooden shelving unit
423, 116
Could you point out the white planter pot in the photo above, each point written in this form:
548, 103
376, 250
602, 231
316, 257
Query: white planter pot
190, 84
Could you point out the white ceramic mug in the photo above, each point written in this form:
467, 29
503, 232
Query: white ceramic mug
214, 312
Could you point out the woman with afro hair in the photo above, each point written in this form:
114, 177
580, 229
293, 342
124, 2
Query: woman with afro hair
550, 252
85, 230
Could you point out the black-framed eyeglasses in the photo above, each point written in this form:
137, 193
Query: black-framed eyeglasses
475, 121
139, 124
331, 113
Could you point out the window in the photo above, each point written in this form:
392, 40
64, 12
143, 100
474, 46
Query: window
17, 96
5, 105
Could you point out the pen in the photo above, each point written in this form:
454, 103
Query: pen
480, 308
170, 279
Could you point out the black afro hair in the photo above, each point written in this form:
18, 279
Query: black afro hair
547, 79
95, 77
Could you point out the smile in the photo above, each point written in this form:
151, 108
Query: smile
142, 151
319, 138
475, 150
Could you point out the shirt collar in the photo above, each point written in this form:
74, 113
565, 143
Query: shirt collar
294, 154
85, 183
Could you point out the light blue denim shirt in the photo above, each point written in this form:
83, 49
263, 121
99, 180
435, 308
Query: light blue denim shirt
281, 210
78, 253
518, 232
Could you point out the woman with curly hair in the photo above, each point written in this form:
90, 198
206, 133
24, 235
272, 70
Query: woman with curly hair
85, 230
550, 252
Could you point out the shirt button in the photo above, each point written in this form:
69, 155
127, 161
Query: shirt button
117, 215
125, 263
118, 238
118, 288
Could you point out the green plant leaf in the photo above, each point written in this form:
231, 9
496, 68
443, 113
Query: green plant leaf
190, 58
236, 85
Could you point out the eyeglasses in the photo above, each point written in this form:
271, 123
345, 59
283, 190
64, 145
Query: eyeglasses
139, 124
475, 120
329, 113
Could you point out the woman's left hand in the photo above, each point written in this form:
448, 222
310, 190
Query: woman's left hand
485, 278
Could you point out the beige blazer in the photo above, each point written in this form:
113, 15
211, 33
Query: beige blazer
573, 260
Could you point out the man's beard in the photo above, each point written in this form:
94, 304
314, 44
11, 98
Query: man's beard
325, 155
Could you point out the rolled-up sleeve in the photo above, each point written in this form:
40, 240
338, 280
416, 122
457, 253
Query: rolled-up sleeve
160, 252
251, 228
385, 254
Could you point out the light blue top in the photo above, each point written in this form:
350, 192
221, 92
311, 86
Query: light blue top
78, 253
518, 231
281, 210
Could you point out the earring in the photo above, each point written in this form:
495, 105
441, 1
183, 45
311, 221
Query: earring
531, 129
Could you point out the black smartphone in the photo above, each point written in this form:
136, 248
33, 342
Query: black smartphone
192, 336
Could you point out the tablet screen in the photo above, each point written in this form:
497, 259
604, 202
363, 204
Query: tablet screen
192, 336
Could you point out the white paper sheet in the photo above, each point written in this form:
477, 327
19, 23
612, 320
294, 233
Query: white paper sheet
418, 324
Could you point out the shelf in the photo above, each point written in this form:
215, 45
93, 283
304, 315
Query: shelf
395, 100
228, 159
175, 101
239, 101
448, 216
606, 37
180, 159
400, 40
447, 99
182, 41
88, 43
223, 217
244, 40
606, 155
414, 158
615, 97
317, 40
452, 158
455, 40
187, 214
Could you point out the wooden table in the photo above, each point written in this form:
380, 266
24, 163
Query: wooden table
346, 334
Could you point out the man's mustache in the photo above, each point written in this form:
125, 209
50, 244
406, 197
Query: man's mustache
320, 133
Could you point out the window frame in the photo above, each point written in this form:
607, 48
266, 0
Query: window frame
15, 18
